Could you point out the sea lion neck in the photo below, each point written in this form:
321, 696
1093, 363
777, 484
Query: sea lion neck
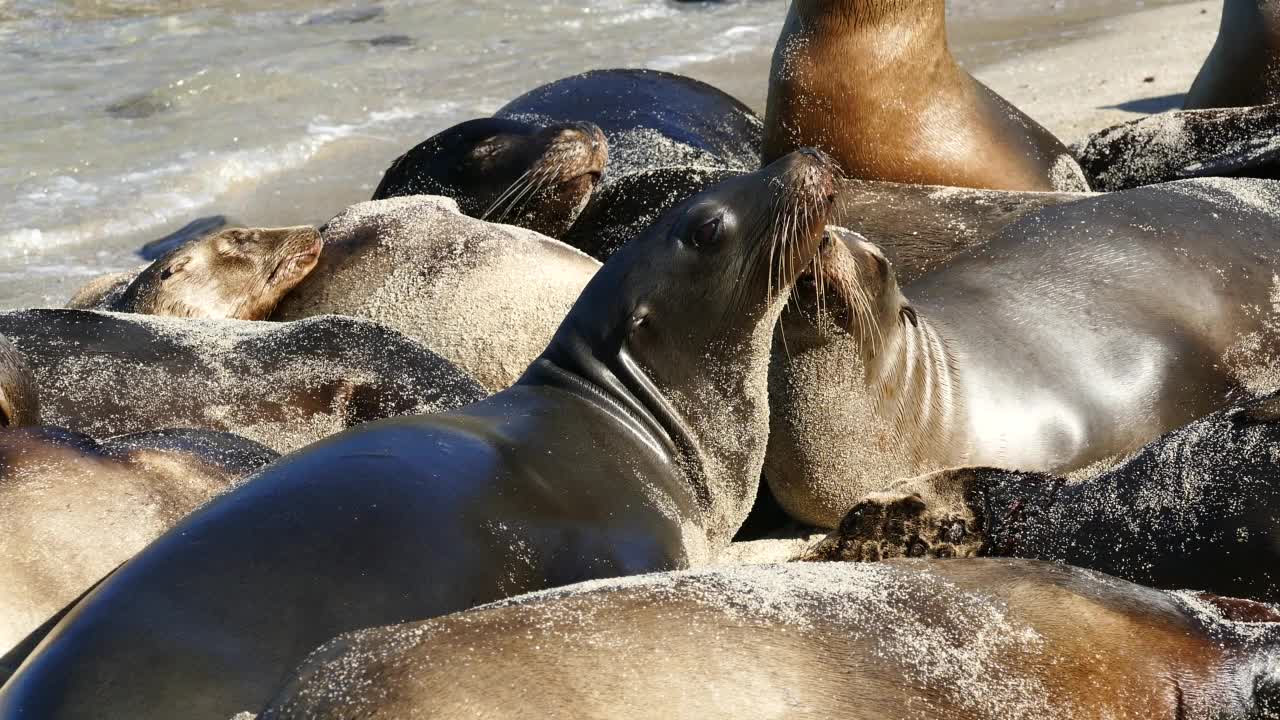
882, 20
613, 382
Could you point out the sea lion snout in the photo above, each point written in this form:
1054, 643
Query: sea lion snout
299, 252
576, 149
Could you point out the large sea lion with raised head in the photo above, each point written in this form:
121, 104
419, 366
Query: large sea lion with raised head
1081, 332
981, 640
1243, 68
234, 274
535, 175
283, 385
632, 444
873, 84
1197, 508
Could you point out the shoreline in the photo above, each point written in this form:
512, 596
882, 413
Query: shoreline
1074, 73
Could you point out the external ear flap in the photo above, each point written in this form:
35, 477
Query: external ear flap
908, 314
175, 267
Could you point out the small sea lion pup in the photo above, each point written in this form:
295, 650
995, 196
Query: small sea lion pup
1235, 142
1244, 66
283, 385
633, 444
1196, 508
236, 274
520, 173
873, 83
980, 640
486, 297
73, 508
1081, 332
19, 398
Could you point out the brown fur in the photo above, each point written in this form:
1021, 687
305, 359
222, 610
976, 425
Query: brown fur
235, 274
873, 83
1243, 68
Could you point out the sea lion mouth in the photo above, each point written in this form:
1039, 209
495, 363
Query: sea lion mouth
808, 180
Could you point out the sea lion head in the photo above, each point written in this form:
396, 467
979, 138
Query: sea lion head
852, 284
19, 400
239, 273
506, 171
678, 323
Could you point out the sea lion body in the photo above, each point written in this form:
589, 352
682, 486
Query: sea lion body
283, 385
651, 118
633, 444
1081, 332
1243, 68
984, 640
873, 84
1179, 145
486, 297
1194, 509
534, 175
73, 508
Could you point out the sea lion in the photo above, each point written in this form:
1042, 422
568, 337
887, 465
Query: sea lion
651, 118
1235, 142
1243, 68
73, 509
633, 444
1196, 508
981, 640
1082, 331
536, 176
19, 398
486, 297
283, 385
234, 274
873, 83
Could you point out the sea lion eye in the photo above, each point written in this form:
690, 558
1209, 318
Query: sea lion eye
707, 233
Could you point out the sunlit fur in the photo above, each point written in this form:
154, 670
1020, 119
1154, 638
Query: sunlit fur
236, 274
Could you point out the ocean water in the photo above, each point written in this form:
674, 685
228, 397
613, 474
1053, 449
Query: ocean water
126, 118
